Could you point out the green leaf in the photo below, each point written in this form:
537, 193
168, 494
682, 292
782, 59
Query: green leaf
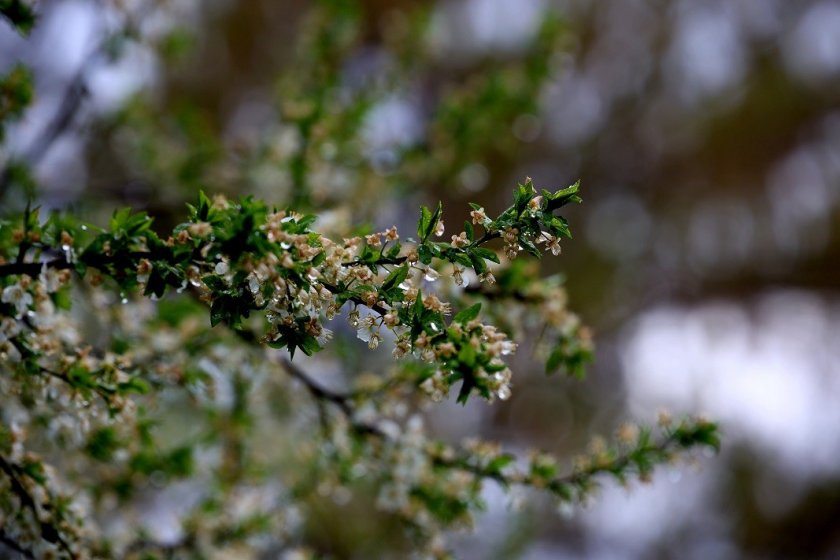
309, 344
458, 256
34, 470
395, 278
486, 254
428, 222
213, 282
306, 221
424, 253
565, 196
529, 246
556, 225
394, 251
204, 205
468, 314
466, 387
521, 196
418, 307
119, 219
500, 462
368, 255
19, 13
554, 360
178, 462
135, 385
16, 93
217, 312
423, 224
467, 355
102, 444
282, 342
156, 284
477, 262
434, 220
573, 189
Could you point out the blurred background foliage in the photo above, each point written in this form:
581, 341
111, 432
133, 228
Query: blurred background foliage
707, 255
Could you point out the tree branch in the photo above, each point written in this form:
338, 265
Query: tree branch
8, 542
322, 394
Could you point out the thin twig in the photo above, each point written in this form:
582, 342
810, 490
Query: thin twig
322, 394
8, 542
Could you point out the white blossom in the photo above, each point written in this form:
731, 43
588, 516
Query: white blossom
20, 298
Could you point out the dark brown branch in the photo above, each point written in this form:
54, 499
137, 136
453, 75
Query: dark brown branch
10, 543
33, 269
322, 394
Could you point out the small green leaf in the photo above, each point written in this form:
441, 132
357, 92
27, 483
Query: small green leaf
435, 219
477, 262
102, 443
554, 360
466, 387
19, 13
468, 314
423, 224
395, 278
521, 196
318, 259
565, 196
424, 253
500, 462
135, 385
214, 282
469, 230
119, 219
456, 256
394, 251
156, 285
16, 93
204, 205
309, 345
529, 246
418, 306
467, 355
486, 254
217, 312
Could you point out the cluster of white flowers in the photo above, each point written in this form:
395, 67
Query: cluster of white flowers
9, 329
18, 296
